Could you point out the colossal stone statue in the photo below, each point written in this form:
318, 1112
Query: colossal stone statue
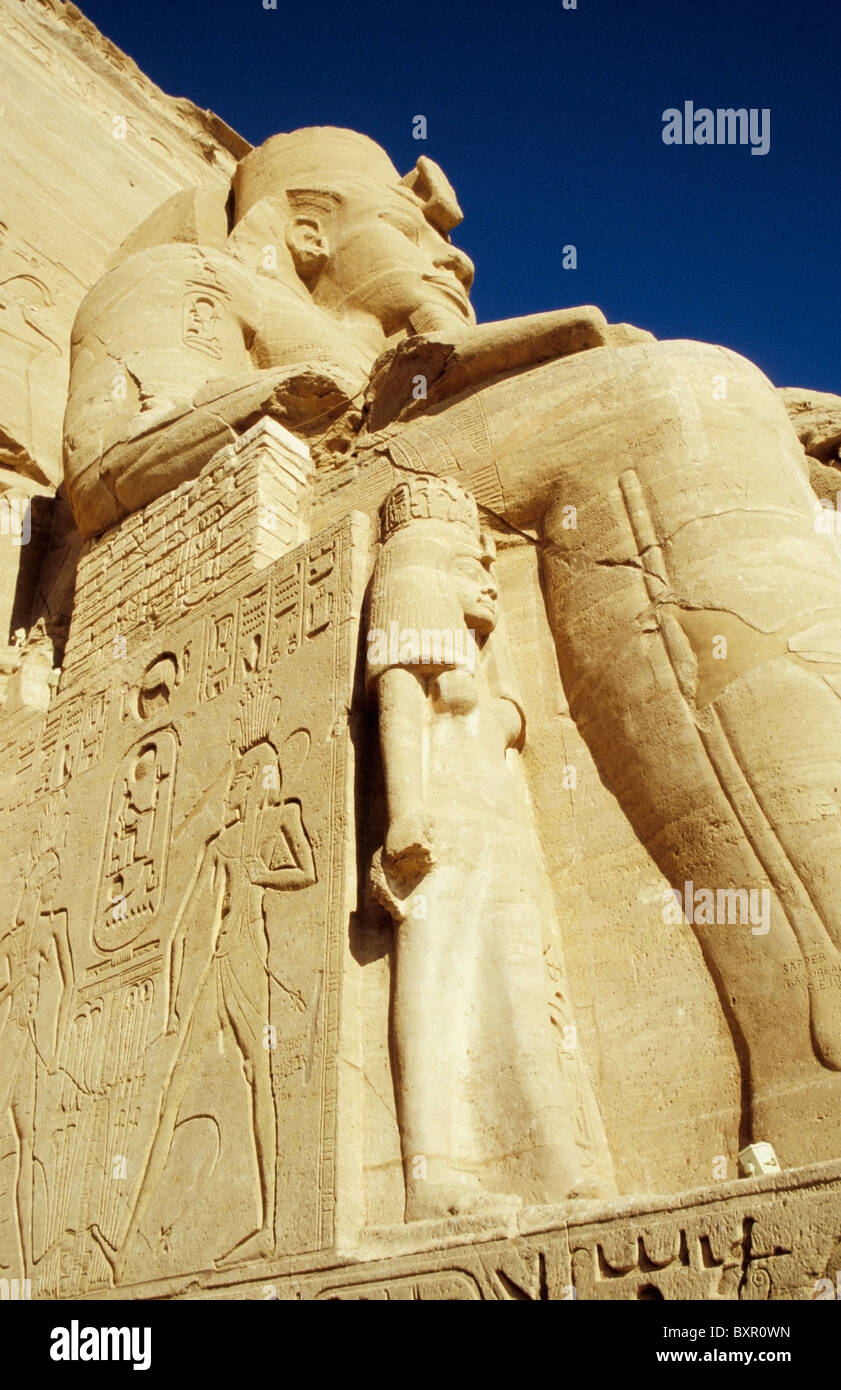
695, 607
331, 260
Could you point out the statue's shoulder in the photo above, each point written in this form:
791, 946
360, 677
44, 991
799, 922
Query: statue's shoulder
164, 283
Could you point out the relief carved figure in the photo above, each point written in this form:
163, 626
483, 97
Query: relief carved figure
486, 1118
36, 988
219, 974
133, 873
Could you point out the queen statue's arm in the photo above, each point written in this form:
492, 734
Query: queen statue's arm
402, 705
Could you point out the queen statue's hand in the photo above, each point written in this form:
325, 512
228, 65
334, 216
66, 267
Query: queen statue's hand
408, 846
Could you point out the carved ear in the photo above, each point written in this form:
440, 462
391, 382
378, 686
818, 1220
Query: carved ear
308, 247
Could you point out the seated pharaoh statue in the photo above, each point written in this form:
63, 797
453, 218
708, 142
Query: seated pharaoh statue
694, 606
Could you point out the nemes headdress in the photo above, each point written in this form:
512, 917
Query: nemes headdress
320, 156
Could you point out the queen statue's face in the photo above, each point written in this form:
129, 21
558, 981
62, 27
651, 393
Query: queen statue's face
387, 261
475, 587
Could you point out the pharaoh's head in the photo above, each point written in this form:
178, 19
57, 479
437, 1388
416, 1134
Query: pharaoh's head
372, 249
330, 260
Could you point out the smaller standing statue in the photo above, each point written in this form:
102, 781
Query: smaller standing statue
495, 1105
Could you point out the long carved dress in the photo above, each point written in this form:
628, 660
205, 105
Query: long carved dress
493, 1098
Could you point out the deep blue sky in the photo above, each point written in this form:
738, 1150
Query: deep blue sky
548, 123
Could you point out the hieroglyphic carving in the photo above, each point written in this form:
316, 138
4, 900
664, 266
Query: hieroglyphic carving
725, 1245
48, 766
139, 1127
156, 686
261, 628
219, 961
253, 630
93, 731
201, 315
451, 1285
320, 598
220, 653
187, 547
201, 565
71, 725
25, 754
714, 1257
100, 1108
137, 842
286, 615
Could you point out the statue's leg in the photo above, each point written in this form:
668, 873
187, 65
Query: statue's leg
197, 1026
437, 957
689, 593
247, 1017
428, 988
541, 1104
22, 1113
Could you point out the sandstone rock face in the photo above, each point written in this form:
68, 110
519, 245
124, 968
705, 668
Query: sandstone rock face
816, 416
78, 118
419, 758
91, 147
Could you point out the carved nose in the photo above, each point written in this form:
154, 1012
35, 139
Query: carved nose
450, 258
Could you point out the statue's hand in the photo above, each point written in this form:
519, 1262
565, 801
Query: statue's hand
293, 394
408, 847
173, 1024
573, 330
256, 869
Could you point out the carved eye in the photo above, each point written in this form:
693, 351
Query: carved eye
470, 568
402, 224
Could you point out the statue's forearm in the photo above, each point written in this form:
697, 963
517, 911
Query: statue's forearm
185, 436
520, 342
65, 965
451, 361
175, 965
511, 344
289, 877
300, 874
402, 702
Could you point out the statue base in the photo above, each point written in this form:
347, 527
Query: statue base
749, 1239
